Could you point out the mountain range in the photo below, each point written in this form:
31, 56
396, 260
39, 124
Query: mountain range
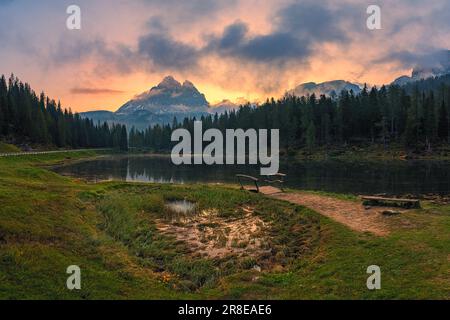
329, 88
439, 65
170, 99
161, 104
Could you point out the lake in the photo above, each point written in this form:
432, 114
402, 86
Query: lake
390, 177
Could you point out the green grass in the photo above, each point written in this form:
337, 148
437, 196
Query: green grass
8, 148
130, 212
48, 222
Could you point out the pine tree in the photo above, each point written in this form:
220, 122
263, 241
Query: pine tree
311, 136
429, 120
123, 144
443, 127
3, 106
28, 118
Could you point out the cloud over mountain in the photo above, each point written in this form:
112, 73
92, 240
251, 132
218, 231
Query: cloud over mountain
230, 48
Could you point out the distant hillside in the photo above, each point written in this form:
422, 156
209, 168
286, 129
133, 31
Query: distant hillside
329, 88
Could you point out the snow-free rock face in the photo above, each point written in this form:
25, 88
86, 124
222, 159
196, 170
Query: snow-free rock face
168, 96
329, 88
160, 105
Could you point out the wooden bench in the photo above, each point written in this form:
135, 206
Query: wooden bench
277, 178
245, 177
380, 201
271, 179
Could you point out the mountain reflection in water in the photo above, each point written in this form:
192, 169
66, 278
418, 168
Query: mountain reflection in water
390, 177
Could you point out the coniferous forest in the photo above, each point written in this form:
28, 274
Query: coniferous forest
415, 115
26, 118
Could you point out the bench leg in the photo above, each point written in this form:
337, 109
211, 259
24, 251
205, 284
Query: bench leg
240, 182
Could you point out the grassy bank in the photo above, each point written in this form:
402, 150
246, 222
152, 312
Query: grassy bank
7, 148
374, 152
113, 231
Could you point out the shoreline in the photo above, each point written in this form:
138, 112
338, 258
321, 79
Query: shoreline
120, 234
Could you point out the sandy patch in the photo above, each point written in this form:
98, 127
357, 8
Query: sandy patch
352, 214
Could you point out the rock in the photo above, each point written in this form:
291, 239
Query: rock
257, 268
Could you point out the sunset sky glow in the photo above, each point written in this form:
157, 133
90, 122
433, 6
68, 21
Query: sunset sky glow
228, 48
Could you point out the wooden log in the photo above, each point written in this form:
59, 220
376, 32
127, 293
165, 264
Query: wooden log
405, 203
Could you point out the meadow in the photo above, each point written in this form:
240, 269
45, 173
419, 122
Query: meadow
128, 244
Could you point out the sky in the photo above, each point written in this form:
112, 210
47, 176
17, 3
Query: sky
230, 49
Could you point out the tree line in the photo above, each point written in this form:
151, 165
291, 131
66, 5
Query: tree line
31, 119
415, 115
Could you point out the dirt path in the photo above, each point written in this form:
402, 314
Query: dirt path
352, 214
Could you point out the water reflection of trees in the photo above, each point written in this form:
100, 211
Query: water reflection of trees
392, 177
161, 169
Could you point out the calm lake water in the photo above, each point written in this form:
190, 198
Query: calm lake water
390, 177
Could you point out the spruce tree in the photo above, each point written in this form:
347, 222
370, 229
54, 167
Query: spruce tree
443, 126
123, 144
311, 136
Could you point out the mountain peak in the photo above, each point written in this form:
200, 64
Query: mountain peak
169, 82
188, 84
168, 97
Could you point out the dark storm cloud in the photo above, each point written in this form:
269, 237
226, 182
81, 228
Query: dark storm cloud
312, 21
165, 52
235, 42
233, 35
297, 28
436, 21
409, 59
298, 31
273, 47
